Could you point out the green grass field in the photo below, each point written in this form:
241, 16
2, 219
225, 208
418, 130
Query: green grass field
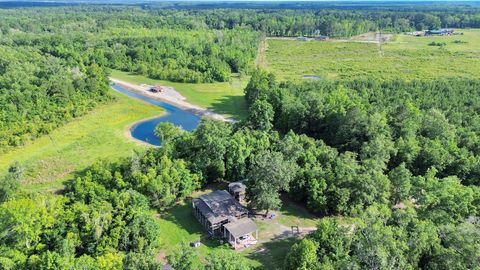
224, 98
101, 134
405, 57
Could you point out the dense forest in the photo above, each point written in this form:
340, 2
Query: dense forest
273, 22
40, 92
134, 41
392, 167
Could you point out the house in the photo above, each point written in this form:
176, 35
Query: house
416, 33
240, 232
238, 191
440, 32
302, 38
223, 216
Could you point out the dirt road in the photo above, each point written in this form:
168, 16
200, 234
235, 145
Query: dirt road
171, 99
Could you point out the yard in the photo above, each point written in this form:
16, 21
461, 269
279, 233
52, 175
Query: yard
274, 235
224, 98
404, 57
101, 134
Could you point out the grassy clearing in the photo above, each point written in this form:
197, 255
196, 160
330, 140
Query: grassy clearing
224, 98
293, 214
406, 57
179, 225
101, 134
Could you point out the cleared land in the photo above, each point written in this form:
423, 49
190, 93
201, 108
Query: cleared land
274, 236
223, 98
101, 134
405, 56
172, 97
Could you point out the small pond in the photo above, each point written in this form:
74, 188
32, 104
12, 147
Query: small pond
144, 130
310, 77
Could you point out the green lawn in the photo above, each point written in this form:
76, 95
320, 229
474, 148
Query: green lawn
406, 57
101, 134
224, 98
294, 214
180, 225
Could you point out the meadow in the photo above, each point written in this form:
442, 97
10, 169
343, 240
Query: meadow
406, 57
221, 97
101, 134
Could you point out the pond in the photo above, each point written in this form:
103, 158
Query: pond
310, 77
144, 130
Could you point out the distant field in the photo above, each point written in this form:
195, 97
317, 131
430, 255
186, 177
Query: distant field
101, 134
406, 57
225, 98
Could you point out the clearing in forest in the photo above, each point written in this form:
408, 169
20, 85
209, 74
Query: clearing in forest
406, 57
275, 237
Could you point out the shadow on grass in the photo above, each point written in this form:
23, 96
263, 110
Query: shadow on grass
231, 105
271, 255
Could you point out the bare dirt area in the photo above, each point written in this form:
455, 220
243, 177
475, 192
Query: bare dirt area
167, 91
373, 37
172, 97
261, 60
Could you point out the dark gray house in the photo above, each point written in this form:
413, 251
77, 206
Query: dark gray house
221, 215
238, 191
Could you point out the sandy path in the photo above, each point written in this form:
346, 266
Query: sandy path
172, 99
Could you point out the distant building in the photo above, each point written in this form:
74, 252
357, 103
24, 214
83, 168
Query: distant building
321, 37
417, 33
439, 32
302, 38
221, 215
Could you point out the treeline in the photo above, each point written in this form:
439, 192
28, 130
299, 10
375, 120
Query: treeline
137, 45
181, 56
40, 92
331, 21
422, 124
175, 55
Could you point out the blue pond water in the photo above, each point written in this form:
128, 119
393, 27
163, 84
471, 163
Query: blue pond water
144, 130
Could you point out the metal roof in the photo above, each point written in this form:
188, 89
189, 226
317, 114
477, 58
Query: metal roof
241, 227
218, 206
237, 187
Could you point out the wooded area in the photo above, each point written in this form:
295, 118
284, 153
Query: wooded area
40, 92
392, 167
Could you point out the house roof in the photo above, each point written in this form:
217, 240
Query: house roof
241, 227
237, 187
218, 206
